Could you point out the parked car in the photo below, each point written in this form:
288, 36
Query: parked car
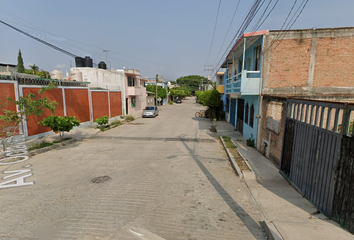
178, 101
150, 111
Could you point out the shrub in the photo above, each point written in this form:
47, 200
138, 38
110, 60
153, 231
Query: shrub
102, 121
60, 124
250, 142
129, 118
121, 117
171, 103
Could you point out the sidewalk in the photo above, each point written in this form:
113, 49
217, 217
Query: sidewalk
282, 210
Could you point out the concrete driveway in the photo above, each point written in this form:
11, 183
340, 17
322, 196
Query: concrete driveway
169, 179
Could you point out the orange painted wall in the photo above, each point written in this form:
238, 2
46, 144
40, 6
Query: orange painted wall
7, 90
99, 104
54, 95
115, 103
77, 104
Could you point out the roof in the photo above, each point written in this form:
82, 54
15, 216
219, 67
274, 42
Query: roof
7, 64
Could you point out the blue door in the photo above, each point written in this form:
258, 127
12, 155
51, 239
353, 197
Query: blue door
233, 112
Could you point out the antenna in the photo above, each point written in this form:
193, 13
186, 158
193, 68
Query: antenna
106, 51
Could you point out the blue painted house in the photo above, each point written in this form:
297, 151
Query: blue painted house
243, 83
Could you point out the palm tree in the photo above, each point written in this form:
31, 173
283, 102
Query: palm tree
34, 68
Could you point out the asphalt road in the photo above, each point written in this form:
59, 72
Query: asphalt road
169, 179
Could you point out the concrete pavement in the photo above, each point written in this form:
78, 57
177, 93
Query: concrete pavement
284, 211
169, 179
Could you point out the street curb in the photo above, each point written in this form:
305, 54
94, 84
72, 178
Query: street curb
54, 146
245, 159
232, 161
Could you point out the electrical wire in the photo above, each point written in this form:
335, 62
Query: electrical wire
239, 33
302, 7
212, 39
227, 33
40, 40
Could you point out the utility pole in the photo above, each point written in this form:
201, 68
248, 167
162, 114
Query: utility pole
157, 79
208, 68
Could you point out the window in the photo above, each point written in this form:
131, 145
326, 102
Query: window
133, 101
251, 115
246, 114
131, 82
257, 58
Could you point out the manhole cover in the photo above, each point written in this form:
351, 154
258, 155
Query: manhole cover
101, 179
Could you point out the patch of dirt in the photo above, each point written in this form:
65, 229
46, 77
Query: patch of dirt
239, 160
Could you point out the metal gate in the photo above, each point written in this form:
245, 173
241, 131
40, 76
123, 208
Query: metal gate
311, 149
233, 112
240, 114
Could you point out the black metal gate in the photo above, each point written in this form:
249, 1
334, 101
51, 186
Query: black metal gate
311, 149
240, 114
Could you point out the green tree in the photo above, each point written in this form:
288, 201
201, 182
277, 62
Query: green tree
161, 92
26, 106
192, 81
34, 68
177, 93
60, 124
43, 74
211, 99
20, 66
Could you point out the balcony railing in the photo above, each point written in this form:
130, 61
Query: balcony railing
244, 83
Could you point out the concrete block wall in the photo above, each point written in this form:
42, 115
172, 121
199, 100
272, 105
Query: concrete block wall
309, 63
271, 140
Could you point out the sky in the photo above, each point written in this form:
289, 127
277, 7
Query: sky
171, 38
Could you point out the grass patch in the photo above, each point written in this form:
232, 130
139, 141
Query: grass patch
129, 118
39, 145
228, 142
238, 158
65, 139
116, 123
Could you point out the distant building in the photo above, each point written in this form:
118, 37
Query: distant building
135, 92
4, 67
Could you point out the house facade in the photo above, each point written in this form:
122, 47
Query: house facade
220, 86
135, 92
266, 68
243, 84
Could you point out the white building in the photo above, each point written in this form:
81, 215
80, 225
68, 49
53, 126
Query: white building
101, 78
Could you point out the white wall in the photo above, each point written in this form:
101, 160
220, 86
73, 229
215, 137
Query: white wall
109, 79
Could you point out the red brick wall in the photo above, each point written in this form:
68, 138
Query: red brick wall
334, 62
99, 104
289, 64
116, 103
77, 104
276, 139
54, 95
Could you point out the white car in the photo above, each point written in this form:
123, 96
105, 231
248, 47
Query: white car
150, 111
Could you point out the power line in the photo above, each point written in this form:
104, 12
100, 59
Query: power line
240, 31
303, 4
212, 39
40, 40
227, 33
